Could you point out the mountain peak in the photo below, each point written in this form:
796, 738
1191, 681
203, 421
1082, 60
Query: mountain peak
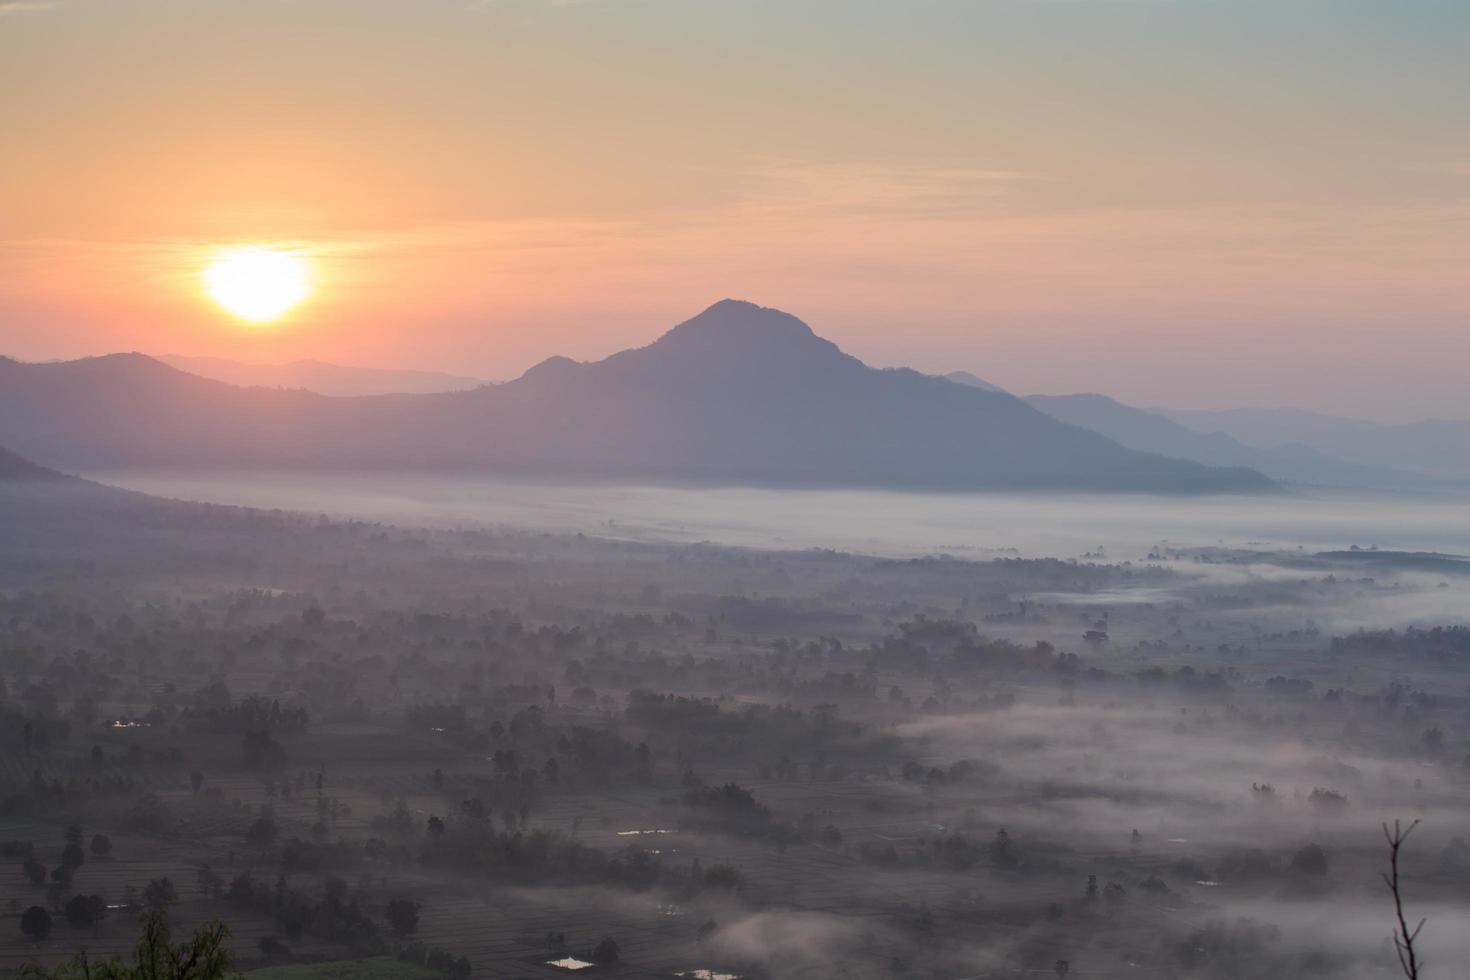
739, 393
555, 366
738, 315
735, 328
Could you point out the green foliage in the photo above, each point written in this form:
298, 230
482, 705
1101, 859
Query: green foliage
203, 957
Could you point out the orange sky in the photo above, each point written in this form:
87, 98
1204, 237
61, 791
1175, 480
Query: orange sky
1173, 202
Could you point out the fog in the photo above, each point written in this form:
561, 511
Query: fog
481, 728
871, 522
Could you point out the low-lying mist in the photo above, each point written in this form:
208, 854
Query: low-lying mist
1122, 526
485, 728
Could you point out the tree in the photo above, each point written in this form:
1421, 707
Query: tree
606, 952
196, 780
84, 911
261, 751
1403, 937
261, 833
1310, 860
74, 834
1003, 851
160, 892
101, 845
36, 922
72, 856
35, 872
156, 958
403, 916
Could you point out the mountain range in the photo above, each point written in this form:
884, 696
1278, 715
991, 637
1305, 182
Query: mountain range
972, 381
1288, 462
1438, 446
738, 394
1197, 436
14, 467
323, 378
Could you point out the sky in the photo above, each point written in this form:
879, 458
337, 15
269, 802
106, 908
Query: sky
1191, 203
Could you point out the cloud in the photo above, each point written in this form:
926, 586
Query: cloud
918, 192
10, 8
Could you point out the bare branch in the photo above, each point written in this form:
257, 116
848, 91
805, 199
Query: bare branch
1403, 937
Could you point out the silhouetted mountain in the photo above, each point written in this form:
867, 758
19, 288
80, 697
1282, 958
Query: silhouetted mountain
1440, 446
54, 526
13, 467
322, 378
737, 394
966, 378
1138, 429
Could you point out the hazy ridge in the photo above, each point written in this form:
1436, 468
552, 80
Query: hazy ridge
737, 394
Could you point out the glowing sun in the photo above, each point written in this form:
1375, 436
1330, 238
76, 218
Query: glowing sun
257, 284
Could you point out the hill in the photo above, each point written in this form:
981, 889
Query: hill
1440, 446
18, 468
1294, 463
738, 394
322, 378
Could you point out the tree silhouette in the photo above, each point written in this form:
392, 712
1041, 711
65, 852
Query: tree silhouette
36, 922
606, 953
160, 892
1403, 936
403, 916
83, 911
156, 958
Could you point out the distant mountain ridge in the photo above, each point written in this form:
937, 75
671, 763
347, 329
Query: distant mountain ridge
323, 378
15, 467
737, 394
1440, 446
1292, 463
966, 378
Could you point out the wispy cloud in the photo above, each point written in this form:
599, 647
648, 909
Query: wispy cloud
9, 8
948, 192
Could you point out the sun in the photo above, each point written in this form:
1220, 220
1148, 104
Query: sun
258, 284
